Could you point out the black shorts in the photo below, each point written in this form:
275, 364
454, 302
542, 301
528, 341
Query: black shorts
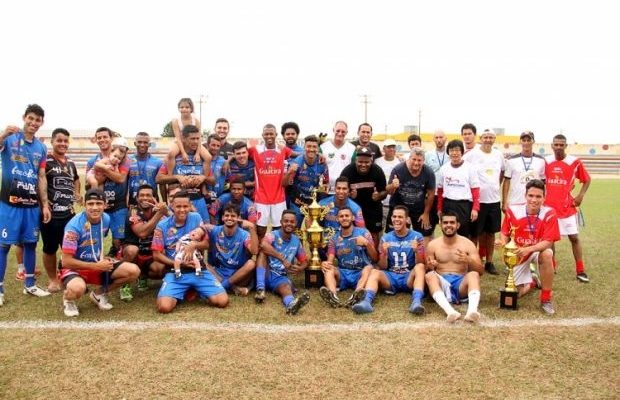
52, 234
374, 220
489, 218
434, 217
462, 208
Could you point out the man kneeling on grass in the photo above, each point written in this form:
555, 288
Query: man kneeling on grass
82, 257
398, 251
167, 234
280, 249
454, 270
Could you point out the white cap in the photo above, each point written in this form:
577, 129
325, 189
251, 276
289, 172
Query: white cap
120, 141
489, 131
389, 142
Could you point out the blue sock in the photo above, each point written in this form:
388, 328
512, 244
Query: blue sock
287, 300
260, 278
226, 284
4, 252
370, 296
417, 296
30, 258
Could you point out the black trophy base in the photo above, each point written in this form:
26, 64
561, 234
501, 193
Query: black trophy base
314, 278
508, 300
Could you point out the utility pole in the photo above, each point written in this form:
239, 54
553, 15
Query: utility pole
420, 122
365, 102
203, 99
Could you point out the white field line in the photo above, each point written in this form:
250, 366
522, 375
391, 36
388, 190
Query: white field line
299, 328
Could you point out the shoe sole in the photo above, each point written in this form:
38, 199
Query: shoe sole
259, 298
35, 295
325, 294
356, 297
420, 310
301, 301
583, 280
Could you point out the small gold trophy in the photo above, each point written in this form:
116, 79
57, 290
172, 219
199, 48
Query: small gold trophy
316, 237
509, 294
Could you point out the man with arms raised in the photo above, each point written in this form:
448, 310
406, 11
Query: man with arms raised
454, 270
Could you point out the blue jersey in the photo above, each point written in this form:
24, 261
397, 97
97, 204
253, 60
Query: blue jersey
245, 172
246, 207
220, 179
190, 168
349, 254
290, 249
228, 251
331, 219
142, 172
307, 177
296, 148
167, 233
401, 255
115, 193
21, 161
83, 240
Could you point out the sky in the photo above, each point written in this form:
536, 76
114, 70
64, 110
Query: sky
545, 66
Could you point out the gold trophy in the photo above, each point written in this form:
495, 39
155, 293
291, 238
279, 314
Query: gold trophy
509, 294
316, 237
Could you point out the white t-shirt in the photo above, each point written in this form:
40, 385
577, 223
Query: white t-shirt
336, 159
458, 182
520, 170
489, 167
387, 167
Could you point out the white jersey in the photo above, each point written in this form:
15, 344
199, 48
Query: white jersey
520, 170
387, 167
336, 159
457, 182
490, 167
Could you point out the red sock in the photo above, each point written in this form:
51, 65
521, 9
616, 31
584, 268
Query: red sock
483, 252
533, 285
545, 295
579, 266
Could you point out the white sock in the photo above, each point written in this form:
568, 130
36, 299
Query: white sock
20, 267
474, 300
441, 300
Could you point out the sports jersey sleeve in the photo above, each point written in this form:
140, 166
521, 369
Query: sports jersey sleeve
214, 208
507, 223
158, 239
123, 168
252, 215
508, 169
551, 230
247, 239
43, 161
301, 253
268, 238
70, 240
581, 173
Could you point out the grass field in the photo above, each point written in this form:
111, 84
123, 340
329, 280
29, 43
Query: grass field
249, 351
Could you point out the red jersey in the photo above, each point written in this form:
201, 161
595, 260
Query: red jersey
531, 229
268, 171
560, 181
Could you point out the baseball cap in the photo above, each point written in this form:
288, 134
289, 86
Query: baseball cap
119, 141
529, 134
489, 131
364, 151
94, 194
389, 142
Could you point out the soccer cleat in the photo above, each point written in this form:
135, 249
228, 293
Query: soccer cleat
329, 297
363, 307
101, 301
473, 316
143, 284
1, 299
125, 293
240, 291
259, 297
490, 268
70, 308
297, 303
36, 291
453, 317
583, 277
417, 309
547, 307
355, 298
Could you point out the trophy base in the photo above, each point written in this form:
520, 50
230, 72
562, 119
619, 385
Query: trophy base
314, 278
508, 300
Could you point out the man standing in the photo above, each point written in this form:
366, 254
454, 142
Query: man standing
290, 133
63, 190
23, 191
387, 164
536, 231
367, 183
364, 133
247, 209
241, 167
468, 134
489, 163
338, 201
401, 266
435, 160
143, 168
167, 234
217, 180
455, 270
561, 171
222, 128
355, 251
520, 169
82, 257
338, 153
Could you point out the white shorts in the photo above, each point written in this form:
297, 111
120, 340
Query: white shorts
568, 225
269, 212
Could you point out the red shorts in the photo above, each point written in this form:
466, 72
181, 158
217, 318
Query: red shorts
90, 276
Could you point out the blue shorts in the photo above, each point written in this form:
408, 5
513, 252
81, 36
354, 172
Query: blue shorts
117, 223
206, 285
273, 281
225, 273
19, 224
201, 208
349, 278
398, 282
455, 282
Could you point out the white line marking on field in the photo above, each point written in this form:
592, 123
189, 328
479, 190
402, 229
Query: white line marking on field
299, 328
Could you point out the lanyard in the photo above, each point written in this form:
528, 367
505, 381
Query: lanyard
529, 223
442, 160
92, 248
527, 166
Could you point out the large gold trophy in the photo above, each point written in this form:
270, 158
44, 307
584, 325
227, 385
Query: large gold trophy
509, 294
316, 237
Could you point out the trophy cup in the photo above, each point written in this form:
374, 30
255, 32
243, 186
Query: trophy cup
316, 237
509, 294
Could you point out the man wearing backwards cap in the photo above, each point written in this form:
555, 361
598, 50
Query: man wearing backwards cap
520, 169
83, 261
367, 183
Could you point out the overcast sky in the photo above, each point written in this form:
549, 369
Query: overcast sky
542, 65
